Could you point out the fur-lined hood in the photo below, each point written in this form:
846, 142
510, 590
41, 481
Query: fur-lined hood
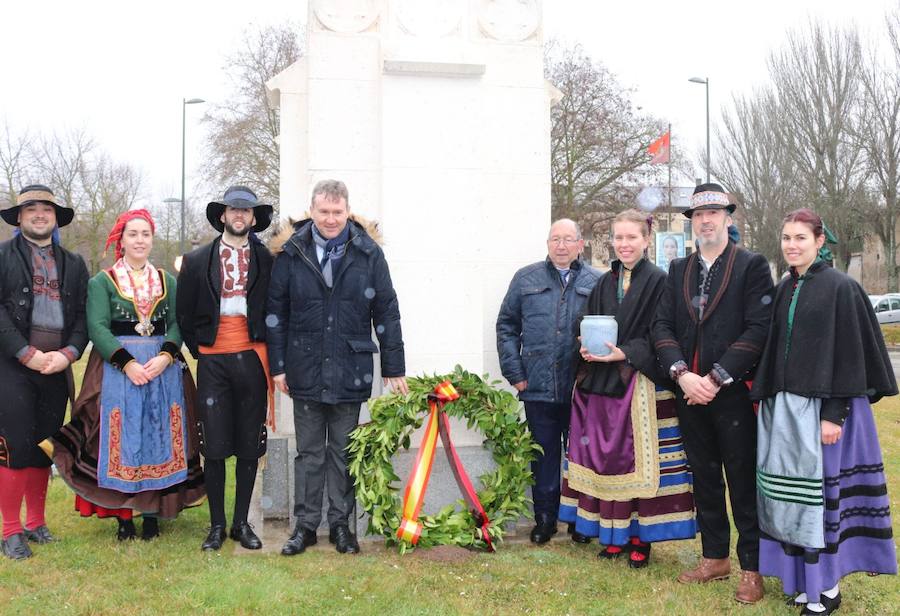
287, 228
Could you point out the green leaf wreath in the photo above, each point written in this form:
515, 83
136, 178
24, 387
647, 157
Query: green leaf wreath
492, 411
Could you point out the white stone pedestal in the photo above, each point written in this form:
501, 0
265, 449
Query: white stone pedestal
437, 116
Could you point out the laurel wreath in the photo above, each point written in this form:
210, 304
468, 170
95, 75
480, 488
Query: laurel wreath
493, 412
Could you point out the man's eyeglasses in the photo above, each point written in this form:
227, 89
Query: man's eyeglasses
559, 241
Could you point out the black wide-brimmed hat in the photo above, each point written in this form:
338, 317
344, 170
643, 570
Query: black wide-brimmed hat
37, 193
242, 198
710, 196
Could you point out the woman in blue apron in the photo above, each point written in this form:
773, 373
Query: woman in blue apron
132, 444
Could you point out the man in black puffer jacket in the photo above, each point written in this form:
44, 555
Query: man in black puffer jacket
537, 341
330, 287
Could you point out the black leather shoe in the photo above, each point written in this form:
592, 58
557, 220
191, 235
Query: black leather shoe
149, 529
607, 554
831, 605
579, 538
344, 541
126, 531
243, 533
544, 528
639, 556
16, 547
41, 534
299, 541
214, 539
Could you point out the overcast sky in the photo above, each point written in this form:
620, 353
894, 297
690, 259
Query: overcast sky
120, 69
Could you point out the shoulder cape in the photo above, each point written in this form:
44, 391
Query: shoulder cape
836, 348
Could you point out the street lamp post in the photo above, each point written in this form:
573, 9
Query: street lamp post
705, 81
184, 104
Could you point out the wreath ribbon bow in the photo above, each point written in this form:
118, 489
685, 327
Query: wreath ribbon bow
438, 425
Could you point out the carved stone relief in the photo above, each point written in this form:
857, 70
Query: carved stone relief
509, 21
346, 16
430, 18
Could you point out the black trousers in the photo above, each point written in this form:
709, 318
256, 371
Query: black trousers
231, 400
323, 433
32, 409
723, 434
549, 425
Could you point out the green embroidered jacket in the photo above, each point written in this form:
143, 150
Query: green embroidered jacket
109, 310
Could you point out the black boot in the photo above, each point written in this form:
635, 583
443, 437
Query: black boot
150, 528
126, 530
544, 528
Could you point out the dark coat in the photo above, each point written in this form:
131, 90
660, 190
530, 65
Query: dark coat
199, 294
836, 350
321, 338
16, 296
736, 320
537, 329
634, 317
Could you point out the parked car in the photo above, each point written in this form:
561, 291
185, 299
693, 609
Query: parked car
887, 307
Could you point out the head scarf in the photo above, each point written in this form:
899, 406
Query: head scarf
825, 252
115, 236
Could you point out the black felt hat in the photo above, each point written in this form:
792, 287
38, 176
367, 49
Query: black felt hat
710, 196
37, 193
242, 198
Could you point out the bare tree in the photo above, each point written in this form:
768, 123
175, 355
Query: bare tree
59, 160
598, 139
878, 135
82, 177
242, 147
817, 79
108, 189
755, 165
15, 159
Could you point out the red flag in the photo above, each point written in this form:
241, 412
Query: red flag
659, 150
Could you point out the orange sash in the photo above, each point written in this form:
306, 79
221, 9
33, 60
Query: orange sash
234, 337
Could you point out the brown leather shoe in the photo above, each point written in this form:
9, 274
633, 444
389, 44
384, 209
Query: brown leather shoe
708, 570
750, 588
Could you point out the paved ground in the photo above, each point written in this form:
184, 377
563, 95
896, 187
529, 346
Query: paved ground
895, 360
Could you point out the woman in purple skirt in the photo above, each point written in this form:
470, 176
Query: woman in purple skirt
626, 480
822, 500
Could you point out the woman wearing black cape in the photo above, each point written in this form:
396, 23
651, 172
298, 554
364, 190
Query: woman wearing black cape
822, 500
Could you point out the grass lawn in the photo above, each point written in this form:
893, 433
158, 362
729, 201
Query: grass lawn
891, 333
88, 572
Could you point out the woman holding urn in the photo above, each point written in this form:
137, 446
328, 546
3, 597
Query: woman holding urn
626, 480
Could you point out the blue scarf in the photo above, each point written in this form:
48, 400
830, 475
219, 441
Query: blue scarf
333, 251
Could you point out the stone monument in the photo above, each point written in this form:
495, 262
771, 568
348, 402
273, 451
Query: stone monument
436, 114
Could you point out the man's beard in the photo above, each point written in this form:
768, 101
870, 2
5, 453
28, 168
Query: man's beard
32, 235
237, 233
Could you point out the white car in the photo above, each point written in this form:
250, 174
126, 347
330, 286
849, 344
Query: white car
887, 307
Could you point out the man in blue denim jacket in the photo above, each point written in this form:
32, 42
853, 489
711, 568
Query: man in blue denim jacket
537, 341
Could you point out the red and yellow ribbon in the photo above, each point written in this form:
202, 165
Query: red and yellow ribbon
438, 425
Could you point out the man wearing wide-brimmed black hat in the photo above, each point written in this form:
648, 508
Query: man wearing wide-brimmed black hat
710, 328
221, 303
43, 290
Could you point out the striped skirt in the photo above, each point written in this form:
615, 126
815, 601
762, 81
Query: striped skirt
857, 522
626, 472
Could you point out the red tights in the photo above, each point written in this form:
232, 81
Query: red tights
22, 484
